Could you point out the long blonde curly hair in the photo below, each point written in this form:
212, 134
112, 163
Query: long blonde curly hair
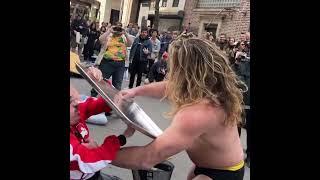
198, 71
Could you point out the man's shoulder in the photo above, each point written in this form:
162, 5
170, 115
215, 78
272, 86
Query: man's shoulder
202, 106
201, 113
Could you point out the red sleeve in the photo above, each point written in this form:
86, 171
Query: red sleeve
93, 106
93, 160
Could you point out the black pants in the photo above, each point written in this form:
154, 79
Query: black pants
112, 68
248, 128
217, 174
115, 69
150, 63
240, 126
88, 50
137, 67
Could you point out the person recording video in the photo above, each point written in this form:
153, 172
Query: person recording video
112, 63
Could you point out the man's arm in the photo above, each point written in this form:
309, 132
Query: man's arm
156, 90
179, 136
129, 39
91, 160
93, 106
103, 38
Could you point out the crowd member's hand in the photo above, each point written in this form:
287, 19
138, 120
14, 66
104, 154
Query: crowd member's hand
90, 144
146, 50
239, 53
96, 73
129, 132
128, 93
124, 95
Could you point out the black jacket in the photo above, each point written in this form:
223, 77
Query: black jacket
80, 26
156, 71
146, 43
242, 69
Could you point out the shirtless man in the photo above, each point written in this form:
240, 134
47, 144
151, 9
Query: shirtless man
207, 106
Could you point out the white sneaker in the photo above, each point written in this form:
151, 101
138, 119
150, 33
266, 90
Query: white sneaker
99, 119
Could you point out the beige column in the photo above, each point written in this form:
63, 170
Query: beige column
169, 3
105, 10
126, 12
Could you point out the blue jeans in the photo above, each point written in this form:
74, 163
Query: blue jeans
115, 69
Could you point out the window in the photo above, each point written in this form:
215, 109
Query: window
145, 4
152, 4
175, 3
164, 3
218, 3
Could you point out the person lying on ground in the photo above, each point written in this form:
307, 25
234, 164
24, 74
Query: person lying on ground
87, 158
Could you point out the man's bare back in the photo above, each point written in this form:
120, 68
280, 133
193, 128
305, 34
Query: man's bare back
199, 129
219, 146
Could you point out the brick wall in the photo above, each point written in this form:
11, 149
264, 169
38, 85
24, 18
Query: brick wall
190, 17
237, 22
232, 24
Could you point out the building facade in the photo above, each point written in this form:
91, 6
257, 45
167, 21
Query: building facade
88, 9
171, 13
124, 11
217, 16
110, 11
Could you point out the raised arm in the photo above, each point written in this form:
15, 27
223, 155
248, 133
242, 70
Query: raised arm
156, 90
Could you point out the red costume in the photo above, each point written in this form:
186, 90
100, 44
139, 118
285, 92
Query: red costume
84, 162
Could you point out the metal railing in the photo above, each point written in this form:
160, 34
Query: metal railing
161, 5
218, 3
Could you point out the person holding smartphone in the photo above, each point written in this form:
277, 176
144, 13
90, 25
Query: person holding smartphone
115, 42
140, 50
